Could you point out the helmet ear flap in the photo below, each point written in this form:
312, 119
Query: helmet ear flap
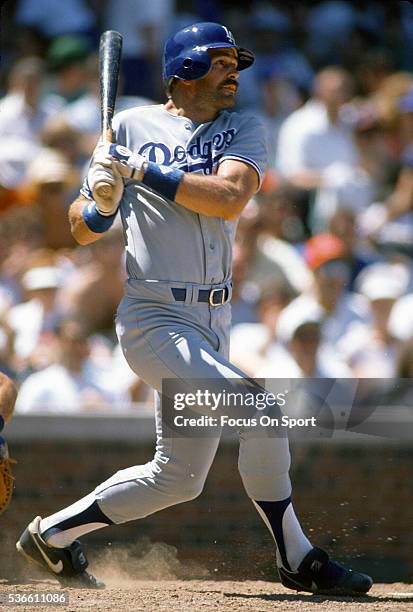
192, 67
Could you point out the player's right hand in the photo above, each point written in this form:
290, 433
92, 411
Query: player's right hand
129, 165
102, 170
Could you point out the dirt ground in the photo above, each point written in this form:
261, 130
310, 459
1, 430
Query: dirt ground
200, 595
159, 581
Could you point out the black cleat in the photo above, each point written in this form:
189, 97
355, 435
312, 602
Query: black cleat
68, 564
317, 574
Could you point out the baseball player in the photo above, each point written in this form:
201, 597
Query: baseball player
181, 173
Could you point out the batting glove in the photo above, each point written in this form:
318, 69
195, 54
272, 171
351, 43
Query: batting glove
102, 170
128, 164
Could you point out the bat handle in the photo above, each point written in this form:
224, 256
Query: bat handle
102, 189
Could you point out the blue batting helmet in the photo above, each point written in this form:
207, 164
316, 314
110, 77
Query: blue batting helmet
186, 52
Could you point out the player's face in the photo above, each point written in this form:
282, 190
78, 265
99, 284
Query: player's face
219, 87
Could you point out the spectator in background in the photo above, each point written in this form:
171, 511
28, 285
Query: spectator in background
95, 288
67, 60
391, 222
303, 354
369, 348
401, 319
312, 137
375, 143
71, 384
15, 156
254, 344
299, 332
358, 255
83, 114
57, 134
50, 183
24, 113
21, 235
370, 65
34, 320
24, 110
244, 293
278, 98
386, 100
145, 27
278, 226
325, 255
316, 149
263, 257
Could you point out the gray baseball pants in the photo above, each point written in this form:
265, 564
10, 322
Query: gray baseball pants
162, 338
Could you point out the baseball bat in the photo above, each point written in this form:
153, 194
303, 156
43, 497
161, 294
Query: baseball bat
110, 50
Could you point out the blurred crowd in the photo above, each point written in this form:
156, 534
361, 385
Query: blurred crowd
323, 256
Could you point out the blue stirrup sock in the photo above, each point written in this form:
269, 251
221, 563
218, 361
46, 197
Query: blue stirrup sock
280, 518
63, 527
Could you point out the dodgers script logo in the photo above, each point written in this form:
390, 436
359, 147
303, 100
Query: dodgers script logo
198, 155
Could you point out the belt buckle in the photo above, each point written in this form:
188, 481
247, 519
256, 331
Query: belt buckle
211, 297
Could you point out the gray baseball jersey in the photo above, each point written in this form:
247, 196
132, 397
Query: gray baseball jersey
165, 241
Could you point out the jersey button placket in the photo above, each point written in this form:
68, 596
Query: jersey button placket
213, 263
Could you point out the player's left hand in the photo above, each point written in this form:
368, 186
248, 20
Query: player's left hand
128, 164
101, 171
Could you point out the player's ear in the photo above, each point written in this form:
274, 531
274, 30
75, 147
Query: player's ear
187, 87
183, 85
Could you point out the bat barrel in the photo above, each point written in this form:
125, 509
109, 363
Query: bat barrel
109, 66
110, 50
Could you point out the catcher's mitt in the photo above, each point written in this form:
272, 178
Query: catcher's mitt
6, 478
